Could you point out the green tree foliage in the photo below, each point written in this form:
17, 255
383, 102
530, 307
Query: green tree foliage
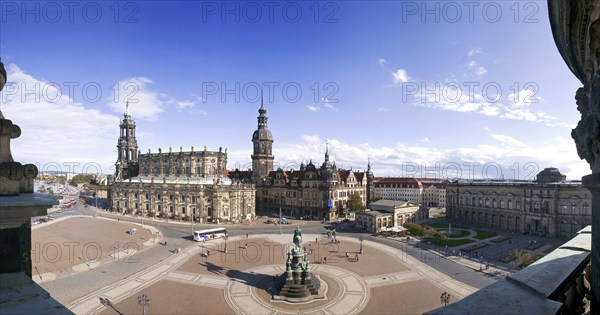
81, 178
419, 230
355, 202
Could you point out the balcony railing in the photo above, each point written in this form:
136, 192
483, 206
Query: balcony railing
559, 283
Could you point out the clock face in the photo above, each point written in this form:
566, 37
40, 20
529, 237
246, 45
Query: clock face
213, 160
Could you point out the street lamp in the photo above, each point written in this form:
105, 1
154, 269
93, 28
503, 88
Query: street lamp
144, 302
361, 238
480, 262
225, 238
445, 298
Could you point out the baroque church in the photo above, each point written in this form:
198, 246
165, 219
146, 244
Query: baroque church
188, 184
194, 184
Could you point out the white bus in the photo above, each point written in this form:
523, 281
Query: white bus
209, 234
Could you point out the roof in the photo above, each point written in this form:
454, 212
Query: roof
224, 181
373, 213
406, 182
393, 203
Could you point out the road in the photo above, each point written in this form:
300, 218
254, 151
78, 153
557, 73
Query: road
179, 235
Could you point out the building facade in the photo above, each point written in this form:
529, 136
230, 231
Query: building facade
318, 192
385, 214
188, 184
426, 191
549, 206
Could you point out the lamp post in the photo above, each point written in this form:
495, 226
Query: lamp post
279, 222
361, 239
193, 210
445, 298
225, 238
480, 262
144, 302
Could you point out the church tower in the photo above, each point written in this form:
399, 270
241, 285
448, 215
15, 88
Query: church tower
127, 148
262, 139
370, 186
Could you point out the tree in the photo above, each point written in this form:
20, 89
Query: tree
81, 178
355, 202
377, 198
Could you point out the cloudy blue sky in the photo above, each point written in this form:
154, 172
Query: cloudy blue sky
446, 89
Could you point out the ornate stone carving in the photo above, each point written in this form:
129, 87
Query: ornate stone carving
15, 177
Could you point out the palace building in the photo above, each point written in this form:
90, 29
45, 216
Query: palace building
186, 184
549, 206
195, 184
317, 192
429, 192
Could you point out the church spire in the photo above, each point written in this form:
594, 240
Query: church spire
262, 117
326, 151
127, 113
262, 103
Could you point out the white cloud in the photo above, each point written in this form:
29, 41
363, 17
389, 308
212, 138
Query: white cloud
452, 96
508, 140
184, 104
313, 108
381, 62
476, 68
55, 128
145, 103
329, 104
400, 76
524, 97
510, 159
382, 109
474, 51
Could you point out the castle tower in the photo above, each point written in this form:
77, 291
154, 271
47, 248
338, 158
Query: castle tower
262, 139
127, 147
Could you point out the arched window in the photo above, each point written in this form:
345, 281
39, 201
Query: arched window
480, 202
494, 203
510, 204
573, 207
501, 203
563, 208
487, 202
574, 227
536, 206
585, 209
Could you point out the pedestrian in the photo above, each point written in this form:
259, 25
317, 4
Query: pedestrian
207, 253
356, 257
347, 256
316, 239
246, 235
246, 246
325, 260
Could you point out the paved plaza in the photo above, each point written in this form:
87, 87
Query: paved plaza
390, 276
66, 246
203, 279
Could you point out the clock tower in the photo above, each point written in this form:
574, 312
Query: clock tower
262, 140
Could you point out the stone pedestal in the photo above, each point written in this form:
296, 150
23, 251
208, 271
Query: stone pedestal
15, 228
592, 182
298, 283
